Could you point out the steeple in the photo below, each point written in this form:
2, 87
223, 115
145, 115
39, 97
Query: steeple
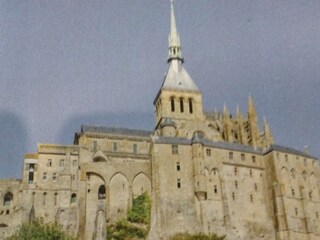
174, 40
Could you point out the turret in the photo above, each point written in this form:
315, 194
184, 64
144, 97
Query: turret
168, 128
197, 157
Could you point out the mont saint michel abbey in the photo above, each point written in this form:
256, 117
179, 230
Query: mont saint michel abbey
205, 172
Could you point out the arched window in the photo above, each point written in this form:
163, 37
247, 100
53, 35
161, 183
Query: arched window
172, 104
181, 105
73, 198
102, 192
7, 200
190, 106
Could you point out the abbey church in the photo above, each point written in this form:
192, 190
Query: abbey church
206, 172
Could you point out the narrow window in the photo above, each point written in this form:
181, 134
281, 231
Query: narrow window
178, 183
215, 189
253, 159
250, 172
181, 105
31, 177
74, 163
102, 192
296, 211
54, 177
190, 106
233, 196
7, 200
317, 215
44, 198
178, 166
55, 199
230, 155
236, 184
235, 171
172, 104
251, 198
292, 192
73, 198
114, 147
49, 164
135, 148
256, 187
310, 195
243, 157
61, 164
208, 151
44, 176
174, 149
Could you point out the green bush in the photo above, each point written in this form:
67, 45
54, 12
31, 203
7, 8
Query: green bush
140, 211
136, 226
123, 230
40, 231
200, 236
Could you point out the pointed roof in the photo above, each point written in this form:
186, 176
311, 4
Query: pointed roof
177, 77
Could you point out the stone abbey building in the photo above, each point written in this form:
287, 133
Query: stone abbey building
205, 172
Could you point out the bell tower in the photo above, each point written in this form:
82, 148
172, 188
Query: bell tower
178, 98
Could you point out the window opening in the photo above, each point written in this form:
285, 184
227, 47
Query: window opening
230, 155
243, 157
73, 198
49, 164
253, 159
172, 104
178, 183
181, 105
102, 192
178, 166
215, 188
44, 198
61, 164
55, 200
54, 176
114, 147
174, 149
44, 176
208, 151
8, 198
135, 148
190, 106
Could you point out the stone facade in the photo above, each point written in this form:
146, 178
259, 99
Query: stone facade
205, 172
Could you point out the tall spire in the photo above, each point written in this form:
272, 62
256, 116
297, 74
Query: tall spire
174, 40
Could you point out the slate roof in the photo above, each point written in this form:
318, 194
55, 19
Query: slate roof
177, 78
289, 150
117, 131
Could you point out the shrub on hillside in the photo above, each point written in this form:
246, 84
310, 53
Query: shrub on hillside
200, 236
40, 231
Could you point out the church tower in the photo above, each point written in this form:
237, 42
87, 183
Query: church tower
178, 99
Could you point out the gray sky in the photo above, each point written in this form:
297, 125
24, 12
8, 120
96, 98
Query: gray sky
67, 63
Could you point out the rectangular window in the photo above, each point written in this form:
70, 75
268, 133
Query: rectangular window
31, 177
114, 147
61, 164
208, 151
44, 176
243, 157
174, 149
215, 188
49, 163
178, 183
135, 148
178, 166
253, 159
74, 163
230, 155
54, 177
